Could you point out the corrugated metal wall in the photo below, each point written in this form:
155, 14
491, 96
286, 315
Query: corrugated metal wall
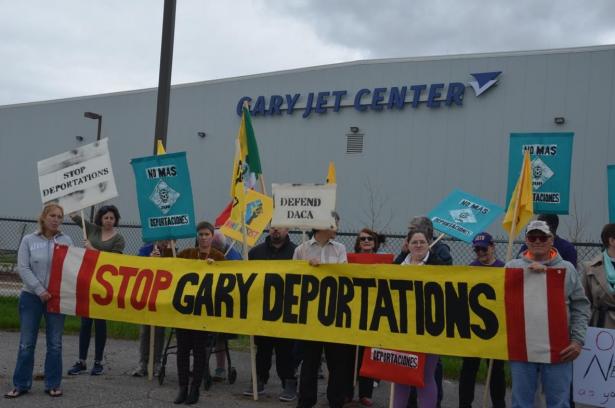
412, 158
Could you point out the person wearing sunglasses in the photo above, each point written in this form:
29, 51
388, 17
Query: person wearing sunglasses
367, 242
484, 249
556, 377
567, 251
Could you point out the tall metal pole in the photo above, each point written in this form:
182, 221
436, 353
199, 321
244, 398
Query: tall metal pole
164, 79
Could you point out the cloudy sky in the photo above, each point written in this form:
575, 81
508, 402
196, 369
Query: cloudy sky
64, 48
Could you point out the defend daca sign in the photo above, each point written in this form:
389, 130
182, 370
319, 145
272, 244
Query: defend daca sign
304, 206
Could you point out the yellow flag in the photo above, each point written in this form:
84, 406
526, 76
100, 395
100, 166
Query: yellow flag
160, 148
521, 206
237, 185
259, 209
331, 174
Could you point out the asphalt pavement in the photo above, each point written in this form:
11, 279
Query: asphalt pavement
117, 388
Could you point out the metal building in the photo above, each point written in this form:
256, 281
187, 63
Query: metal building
402, 132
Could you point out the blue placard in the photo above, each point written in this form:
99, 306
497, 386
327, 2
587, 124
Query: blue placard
164, 194
551, 155
463, 216
610, 175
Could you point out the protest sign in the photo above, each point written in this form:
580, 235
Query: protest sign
78, 178
456, 310
396, 366
164, 194
259, 209
304, 206
463, 216
610, 174
370, 258
551, 155
593, 379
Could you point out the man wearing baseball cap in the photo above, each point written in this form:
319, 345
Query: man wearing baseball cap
556, 377
484, 249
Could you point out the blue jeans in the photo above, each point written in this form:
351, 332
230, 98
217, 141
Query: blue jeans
31, 309
556, 379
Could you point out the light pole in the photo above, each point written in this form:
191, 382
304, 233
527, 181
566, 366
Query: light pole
98, 117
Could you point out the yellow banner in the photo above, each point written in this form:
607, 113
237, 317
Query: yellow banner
450, 310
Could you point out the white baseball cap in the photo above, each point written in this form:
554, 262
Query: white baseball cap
538, 225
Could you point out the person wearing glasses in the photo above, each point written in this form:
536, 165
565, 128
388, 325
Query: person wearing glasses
484, 248
566, 250
367, 242
555, 377
102, 235
427, 396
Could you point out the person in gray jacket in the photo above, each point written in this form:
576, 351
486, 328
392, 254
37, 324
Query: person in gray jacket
34, 263
556, 377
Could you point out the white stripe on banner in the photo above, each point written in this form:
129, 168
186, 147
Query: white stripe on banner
68, 287
536, 317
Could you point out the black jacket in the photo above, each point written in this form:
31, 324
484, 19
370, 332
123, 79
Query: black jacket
266, 251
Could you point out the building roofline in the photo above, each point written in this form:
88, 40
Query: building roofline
328, 66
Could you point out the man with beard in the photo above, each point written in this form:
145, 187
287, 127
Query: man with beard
276, 246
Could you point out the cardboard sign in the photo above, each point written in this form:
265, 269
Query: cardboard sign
304, 206
78, 178
259, 209
370, 258
551, 155
463, 216
593, 379
400, 367
164, 194
610, 173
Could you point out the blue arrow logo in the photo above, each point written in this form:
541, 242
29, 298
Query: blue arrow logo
484, 81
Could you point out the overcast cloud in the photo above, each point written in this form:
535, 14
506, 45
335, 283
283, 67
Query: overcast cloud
64, 48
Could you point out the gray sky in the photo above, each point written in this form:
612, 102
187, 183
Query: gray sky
64, 48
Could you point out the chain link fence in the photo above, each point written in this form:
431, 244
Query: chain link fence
12, 231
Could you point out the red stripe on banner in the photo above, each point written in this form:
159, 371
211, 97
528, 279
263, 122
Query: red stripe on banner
84, 279
515, 314
558, 317
55, 278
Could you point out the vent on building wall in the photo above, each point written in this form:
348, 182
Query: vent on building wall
354, 143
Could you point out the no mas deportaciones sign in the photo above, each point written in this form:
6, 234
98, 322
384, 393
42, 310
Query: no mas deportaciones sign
304, 206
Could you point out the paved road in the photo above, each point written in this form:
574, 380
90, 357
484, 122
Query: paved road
116, 388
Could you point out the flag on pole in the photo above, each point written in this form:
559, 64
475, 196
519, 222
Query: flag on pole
522, 201
237, 185
246, 166
224, 215
249, 149
331, 179
160, 148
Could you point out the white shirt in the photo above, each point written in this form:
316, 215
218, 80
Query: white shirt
331, 253
408, 258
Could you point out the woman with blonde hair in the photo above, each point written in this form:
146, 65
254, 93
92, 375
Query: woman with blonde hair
34, 265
